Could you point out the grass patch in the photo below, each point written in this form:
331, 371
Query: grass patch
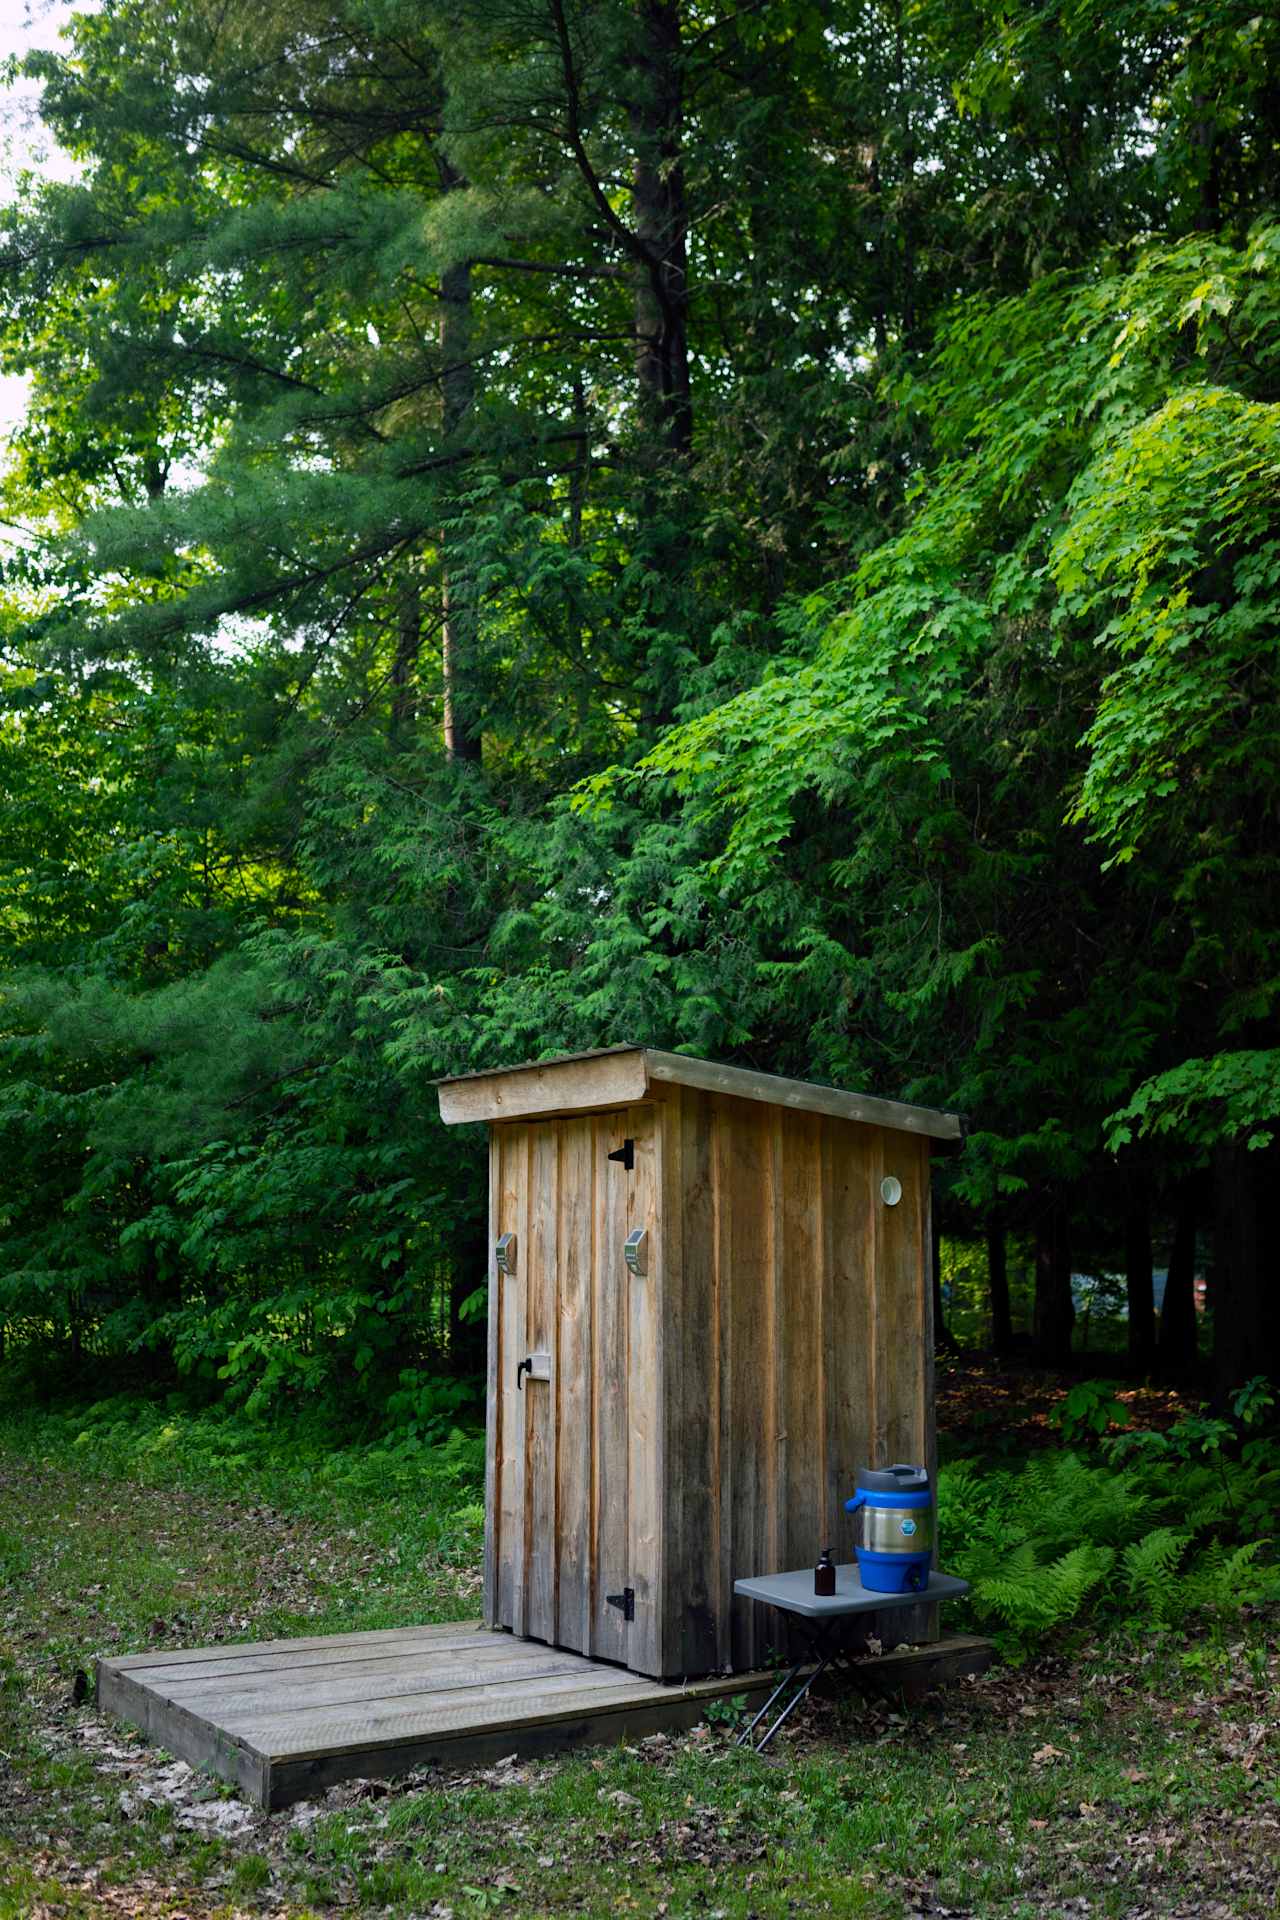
398, 1487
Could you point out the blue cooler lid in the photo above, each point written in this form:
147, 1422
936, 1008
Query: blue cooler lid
899, 1479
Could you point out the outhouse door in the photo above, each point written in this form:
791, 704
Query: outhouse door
574, 1409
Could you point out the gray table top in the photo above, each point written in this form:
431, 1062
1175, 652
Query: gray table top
793, 1593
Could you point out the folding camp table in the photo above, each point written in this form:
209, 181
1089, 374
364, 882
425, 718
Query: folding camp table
821, 1620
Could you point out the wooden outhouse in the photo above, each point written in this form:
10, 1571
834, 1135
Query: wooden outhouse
709, 1305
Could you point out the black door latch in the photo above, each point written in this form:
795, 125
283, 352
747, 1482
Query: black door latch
626, 1154
624, 1601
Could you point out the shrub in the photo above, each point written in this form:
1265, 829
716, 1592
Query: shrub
1155, 1529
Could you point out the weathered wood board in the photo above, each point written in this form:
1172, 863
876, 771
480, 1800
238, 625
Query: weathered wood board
624, 1076
284, 1720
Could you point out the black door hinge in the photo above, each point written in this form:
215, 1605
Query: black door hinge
626, 1600
626, 1154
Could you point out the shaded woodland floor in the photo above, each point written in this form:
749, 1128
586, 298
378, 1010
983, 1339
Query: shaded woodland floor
1009, 1408
1134, 1777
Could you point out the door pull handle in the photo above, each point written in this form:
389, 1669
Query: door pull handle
525, 1365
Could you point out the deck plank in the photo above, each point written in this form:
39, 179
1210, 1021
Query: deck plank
293, 1779
329, 1727
283, 1720
285, 1695
236, 1649
220, 1672
193, 1737
491, 1651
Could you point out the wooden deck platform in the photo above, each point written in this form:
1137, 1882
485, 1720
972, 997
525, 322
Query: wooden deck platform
285, 1719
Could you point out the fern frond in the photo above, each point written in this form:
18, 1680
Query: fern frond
1074, 1575
1151, 1573
1224, 1582
1032, 1596
1062, 1499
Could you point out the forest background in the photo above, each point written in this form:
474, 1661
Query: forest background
541, 523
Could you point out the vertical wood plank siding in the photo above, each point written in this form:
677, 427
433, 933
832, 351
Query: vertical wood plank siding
693, 1348
511, 1146
493, 1402
542, 1395
645, 1440
703, 1422
849, 1350
609, 1458
903, 1328
747, 1207
576, 1205
802, 1437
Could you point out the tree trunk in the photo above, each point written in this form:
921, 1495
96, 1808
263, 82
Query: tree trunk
404, 701
998, 1289
460, 626
941, 1334
660, 317
1055, 1312
581, 466
1137, 1277
1245, 1293
1178, 1343
906, 207
1206, 140
661, 225
468, 1339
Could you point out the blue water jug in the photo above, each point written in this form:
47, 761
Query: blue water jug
896, 1550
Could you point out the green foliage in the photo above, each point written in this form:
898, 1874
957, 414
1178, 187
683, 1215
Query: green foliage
417, 1467
426, 1409
1150, 1575
1154, 1542
1231, 1095
729, 1712
1253, 1403
1073, 470
1031, 1595
1225, 1580
1088, 1408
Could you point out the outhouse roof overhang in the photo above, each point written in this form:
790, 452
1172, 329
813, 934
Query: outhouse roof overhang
621, 1076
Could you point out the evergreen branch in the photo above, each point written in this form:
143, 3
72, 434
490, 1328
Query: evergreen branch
442, 461
221, 356
277, 1079
726, 20
629, 240
317, 652
72, 250
406, 389
253, 157
561, 270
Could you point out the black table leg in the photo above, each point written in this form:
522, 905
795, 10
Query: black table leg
824, 1648
794, 1702
787, 1680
